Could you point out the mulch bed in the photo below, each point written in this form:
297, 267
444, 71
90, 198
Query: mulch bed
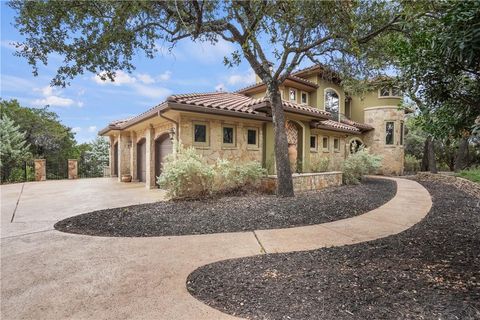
232, 213
430, 271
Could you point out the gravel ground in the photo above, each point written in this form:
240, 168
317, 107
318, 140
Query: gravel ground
232, 213
430, 271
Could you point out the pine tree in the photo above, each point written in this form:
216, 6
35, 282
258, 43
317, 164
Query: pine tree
13, 147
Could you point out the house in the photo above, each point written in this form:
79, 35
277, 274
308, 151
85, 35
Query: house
322, 122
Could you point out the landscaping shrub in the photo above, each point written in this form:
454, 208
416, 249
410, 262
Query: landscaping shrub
319, 164
359, 164
412, 164
187, 174
472, 174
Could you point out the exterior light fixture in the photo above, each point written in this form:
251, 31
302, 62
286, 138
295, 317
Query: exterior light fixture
171, 133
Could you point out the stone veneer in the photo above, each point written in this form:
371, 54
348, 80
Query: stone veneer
393, 155
72, 169
305, 181
40, 169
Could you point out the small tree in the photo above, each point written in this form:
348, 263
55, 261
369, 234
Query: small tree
97, 157
13, 147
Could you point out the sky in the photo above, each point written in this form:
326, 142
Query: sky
89, 104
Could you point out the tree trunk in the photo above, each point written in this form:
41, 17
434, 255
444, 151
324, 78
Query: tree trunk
461, 158
432, 165
284, 173
424, 165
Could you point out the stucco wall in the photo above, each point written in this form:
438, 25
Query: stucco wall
393, 155
215, 149
370, 99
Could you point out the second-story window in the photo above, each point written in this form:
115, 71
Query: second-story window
332, 103
292, 95
304, 98
389, 92
389, 131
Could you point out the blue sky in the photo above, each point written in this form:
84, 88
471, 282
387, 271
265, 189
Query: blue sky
89, 104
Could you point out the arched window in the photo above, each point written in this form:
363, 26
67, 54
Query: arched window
332, 103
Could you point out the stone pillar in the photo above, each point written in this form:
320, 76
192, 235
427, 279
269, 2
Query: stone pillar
40, 169
111, 158
133, 156
393, 155
123, 154
72, 169
150, 158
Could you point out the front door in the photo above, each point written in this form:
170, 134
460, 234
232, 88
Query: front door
141, 160
163, 147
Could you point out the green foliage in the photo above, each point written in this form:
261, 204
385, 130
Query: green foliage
13, 147
359, 164
412, 164
472, 174
94, 157
319, 164
186, 174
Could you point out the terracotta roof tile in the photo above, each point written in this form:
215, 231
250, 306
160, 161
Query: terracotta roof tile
335, 125
291, 77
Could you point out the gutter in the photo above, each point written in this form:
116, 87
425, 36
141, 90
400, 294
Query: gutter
160, 114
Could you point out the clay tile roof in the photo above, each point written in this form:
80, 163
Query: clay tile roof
291, 77
290, 105
216, 100
361, 126
335, 125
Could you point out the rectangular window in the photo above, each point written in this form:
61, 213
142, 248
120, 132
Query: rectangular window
325, 144
200, 133
389, 132
401, 133
292, 95
304, 97
396, 92
252, 137
336, 144
228, 135
313, 143
385, 92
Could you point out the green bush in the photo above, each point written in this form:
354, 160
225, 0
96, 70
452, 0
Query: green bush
359, 164
319, 164
412, 164
186, 174
472, 174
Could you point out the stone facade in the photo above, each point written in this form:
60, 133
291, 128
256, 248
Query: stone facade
72, 169
375, 140
40, 169
215, 149
336, 156
306, 181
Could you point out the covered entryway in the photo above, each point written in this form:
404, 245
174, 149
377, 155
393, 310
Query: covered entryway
295, 145
163, 147
115, 159
141, 160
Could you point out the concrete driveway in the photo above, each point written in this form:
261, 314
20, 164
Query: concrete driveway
36, 206
46, 274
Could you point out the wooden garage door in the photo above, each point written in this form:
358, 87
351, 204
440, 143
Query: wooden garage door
141, 160
163, 147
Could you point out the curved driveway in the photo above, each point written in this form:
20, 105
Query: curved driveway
53, 275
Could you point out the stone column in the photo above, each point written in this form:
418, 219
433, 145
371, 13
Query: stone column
123, 155
40, 169
112, 156
150, 158
133, 156
72, 169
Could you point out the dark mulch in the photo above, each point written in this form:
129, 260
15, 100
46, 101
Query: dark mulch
430, 271
232, 213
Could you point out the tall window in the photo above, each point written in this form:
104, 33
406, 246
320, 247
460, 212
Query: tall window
200, 133
304, 97
401, 133
325, 144
228, 135
336, 144
313, 143
292, 93
332, 103
389, 132
252, 140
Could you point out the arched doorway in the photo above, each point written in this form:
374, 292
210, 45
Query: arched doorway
295, 145
115, 159
163, 147
355, 145
142, 160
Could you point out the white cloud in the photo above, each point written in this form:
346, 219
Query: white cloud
145, 78
92, 129
76, 129
152, 92
207, 52
121, 78
165, 76
53, 98
245, 78
220, 87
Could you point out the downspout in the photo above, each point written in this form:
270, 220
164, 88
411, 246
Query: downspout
160, 114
